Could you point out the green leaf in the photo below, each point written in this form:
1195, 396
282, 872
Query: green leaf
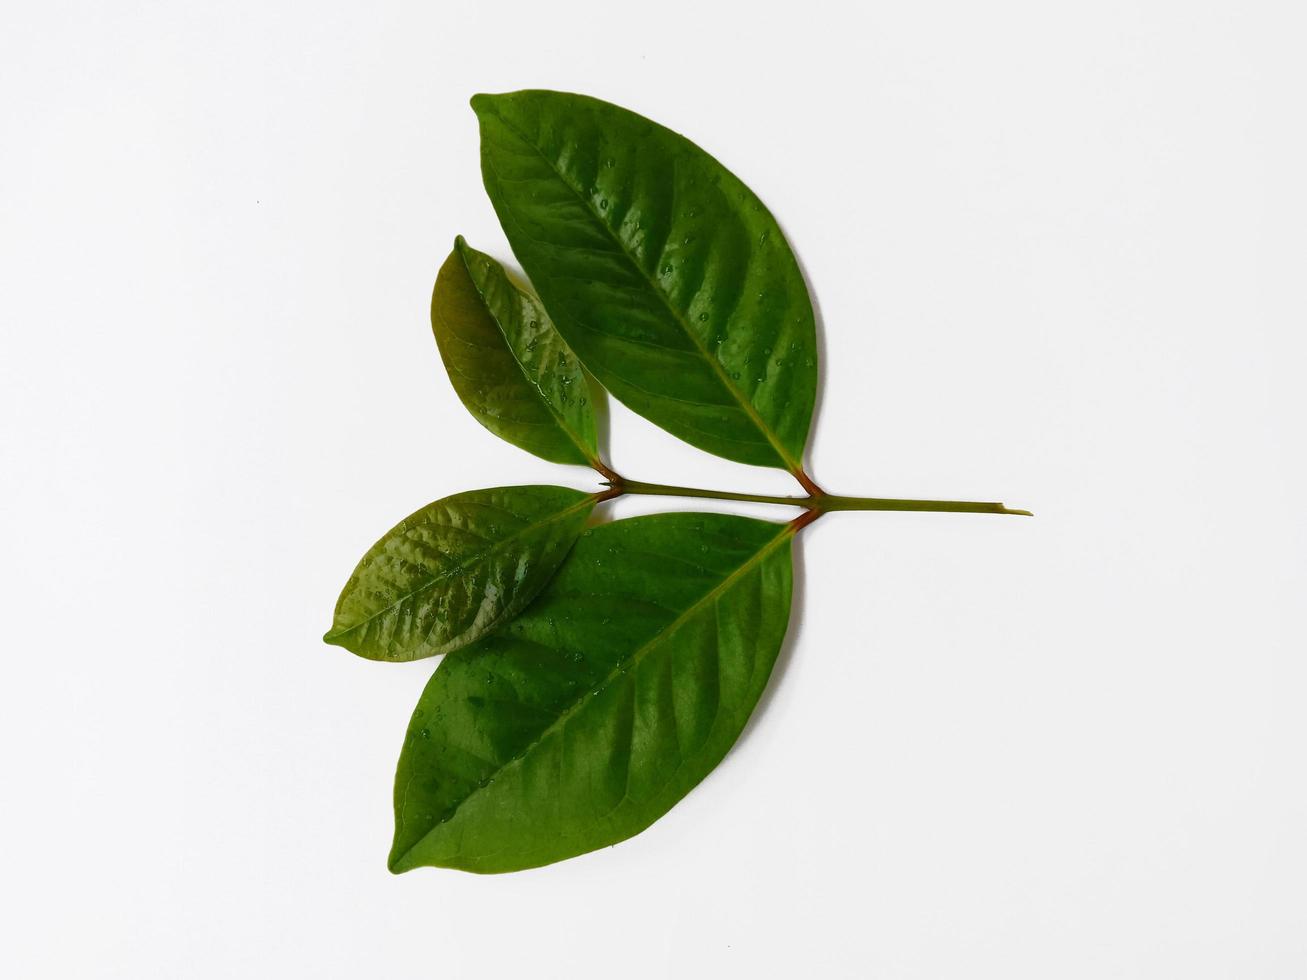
666, 275
588, 717
509, 365
456, 569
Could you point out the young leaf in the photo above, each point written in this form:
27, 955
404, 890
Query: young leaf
508, 364
456, 569
587, 718
666, 275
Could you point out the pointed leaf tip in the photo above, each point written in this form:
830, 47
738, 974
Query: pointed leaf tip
394, 863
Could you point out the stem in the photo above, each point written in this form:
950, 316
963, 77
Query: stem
808, 483
833, 502
803, 520
819, 503
663, 490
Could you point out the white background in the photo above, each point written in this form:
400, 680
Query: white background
1058, 251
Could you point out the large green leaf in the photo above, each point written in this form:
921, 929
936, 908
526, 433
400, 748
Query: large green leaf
586, 718
456, 569
666, 275
508, 364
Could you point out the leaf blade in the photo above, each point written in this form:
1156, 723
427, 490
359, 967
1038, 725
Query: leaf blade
509, 366
666, 275
603, 704
455, 569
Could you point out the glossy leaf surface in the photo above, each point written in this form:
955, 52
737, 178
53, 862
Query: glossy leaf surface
586, 718
509, 365
664, 273
456, 569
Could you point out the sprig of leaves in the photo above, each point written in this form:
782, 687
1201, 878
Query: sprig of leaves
593, 677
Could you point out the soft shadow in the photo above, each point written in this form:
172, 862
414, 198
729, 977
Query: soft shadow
792, 634
601, 515
603, 419
819, 325
799, 591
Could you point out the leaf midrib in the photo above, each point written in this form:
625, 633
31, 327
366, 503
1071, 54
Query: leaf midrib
588, 501
745, 404
594, 690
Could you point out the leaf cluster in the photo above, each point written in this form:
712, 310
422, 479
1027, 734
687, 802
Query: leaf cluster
592, 676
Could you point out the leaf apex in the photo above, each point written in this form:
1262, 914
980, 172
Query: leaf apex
462, 249
397, 861
481, 102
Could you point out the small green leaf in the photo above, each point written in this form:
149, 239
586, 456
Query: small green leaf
589, 716
661, 269
509, 365
456, 569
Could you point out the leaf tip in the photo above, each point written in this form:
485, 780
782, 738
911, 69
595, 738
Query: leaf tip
481, 102
462, 249
397, 862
